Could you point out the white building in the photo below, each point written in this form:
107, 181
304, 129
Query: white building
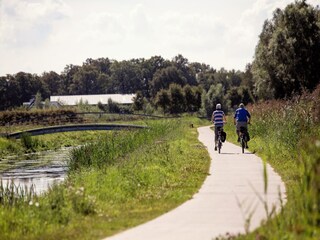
71, 100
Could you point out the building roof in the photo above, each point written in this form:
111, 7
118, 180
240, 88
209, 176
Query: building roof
71, 100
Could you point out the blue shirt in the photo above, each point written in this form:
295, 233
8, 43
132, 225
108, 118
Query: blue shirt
217, 117
242, 115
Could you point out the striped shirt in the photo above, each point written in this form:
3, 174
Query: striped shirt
217, 117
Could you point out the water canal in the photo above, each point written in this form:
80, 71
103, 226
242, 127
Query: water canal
40, 170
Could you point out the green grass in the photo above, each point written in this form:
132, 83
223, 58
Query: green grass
287, 135
123, 180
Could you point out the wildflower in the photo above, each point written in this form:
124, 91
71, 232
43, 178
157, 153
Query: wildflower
36, 204
30, 203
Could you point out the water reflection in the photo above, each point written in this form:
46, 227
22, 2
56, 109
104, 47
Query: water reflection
40, 170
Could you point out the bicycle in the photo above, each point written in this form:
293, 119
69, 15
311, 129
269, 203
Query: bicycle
219, 139
243, 135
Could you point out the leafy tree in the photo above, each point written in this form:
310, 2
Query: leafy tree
52, 83
67, 78
247, 78
214, 96
198, 91
126, 77
138, 101
112, 106
101, 107
102, 65
162, 100
177, 99
287, 57
4, 99
234, 97
85, 81
182, 64
148, 68
190, 98
38, 100
204, 75
164, 77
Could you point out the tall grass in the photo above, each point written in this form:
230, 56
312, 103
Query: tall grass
111, 147
287, 135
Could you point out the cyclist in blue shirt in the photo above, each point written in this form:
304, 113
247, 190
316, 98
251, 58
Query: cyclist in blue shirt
218, 119
241, 118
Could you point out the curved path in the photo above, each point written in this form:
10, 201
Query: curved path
232, 192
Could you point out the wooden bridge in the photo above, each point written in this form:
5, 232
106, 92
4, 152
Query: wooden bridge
74, 127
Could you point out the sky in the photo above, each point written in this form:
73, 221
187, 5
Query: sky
39, 36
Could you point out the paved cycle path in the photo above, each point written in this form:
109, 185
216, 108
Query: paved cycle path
232, 193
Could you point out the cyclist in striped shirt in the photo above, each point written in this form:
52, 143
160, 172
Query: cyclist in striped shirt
218, 119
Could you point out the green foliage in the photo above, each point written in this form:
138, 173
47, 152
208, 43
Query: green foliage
177, 99
7, 147
101, 107
112, 106
38, 101
214, 96
164, 77
26, 140
162, 100
138, 101
287, 57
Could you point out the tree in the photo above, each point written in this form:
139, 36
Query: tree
67, 78
4, 99
198, 91
177, 99
52, 84
138, 101
85, 81
126, 77
164, 77
182, 64
148, 68
214, 96
287, 57
162, 100
190, 98
113, 107
38, 101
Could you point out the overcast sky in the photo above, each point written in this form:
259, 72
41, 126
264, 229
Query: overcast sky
44, 35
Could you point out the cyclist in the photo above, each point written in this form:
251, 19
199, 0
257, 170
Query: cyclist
218, 119
241, 119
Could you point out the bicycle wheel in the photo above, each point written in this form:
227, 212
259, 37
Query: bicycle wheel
243, 144
219, 145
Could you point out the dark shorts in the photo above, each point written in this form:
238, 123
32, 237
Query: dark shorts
241, 124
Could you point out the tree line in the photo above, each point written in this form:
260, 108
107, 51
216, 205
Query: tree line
286, 63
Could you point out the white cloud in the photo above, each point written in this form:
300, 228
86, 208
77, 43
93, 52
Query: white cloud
29, 23
44, 35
